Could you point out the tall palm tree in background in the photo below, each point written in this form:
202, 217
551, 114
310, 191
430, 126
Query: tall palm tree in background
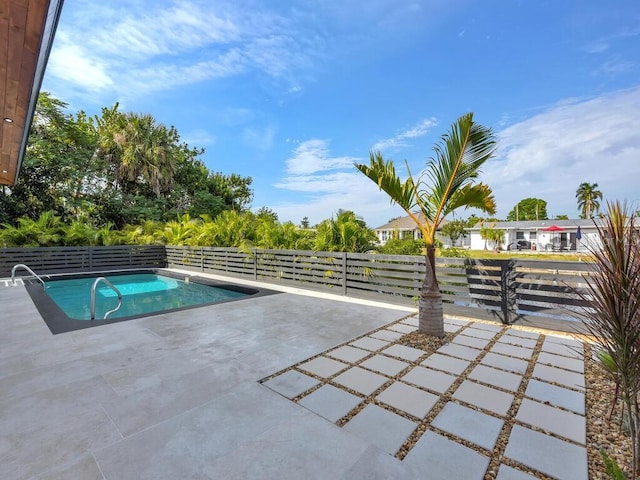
588, 199
448, 183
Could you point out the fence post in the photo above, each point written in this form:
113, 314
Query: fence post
91, 259
255, 264
344, 273
202, 259
507, 290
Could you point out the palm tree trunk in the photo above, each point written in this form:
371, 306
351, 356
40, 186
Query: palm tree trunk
430, 314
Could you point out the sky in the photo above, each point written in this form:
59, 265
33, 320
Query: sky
292, 93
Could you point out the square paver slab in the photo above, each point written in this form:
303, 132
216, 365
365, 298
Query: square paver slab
383, 364
477, 333
557, 375
449, 328
523, 333
507, 473
402, 328
559, 361
490, 327
512, 350
474, 342
555, 395
552, 456
387, 335
459, 351
568, 348
431, 379
385, 429
348, 354
413, 321
519, 341
446, 363
409, 399
456, 321
323, 366
291, 383
330, 402
510, 364
369, 343
469, 424
402, 351
565, 424
435, 456
361, 380
484, 397
497, 378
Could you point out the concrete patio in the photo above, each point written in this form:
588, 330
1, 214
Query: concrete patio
179, 395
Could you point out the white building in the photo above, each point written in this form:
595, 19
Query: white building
405, 228
545, 235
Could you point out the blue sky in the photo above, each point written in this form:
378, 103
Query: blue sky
292, 93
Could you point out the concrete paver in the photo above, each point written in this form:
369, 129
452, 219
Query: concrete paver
369, 343
383, 364
291, 383
349, 354
409, 399
473, 342
513, 339
564, 347
508, 473
323, 366
330, 402
446, 363
433, 453
555, 395
565, 424
402, 328
498, 378
512, 350
484, 397
560, 361
478, 333
497, 360
460, 351
361, 380
469, 424
387, 335
557, 375
402, 351
547, 454
433, 380
385, 429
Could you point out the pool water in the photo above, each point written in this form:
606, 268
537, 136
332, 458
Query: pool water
142, 293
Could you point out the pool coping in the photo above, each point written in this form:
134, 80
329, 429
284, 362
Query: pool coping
59, 322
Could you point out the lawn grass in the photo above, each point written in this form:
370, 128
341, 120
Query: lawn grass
558, 257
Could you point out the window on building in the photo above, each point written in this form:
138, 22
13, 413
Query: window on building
519, 235
532, 235
384, 235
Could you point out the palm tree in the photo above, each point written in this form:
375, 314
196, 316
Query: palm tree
588, 197
449, 183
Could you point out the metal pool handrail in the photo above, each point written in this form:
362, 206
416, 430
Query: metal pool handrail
23, 266
93, 298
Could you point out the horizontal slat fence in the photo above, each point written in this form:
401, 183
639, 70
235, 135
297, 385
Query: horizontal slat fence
533, 292
47, 261
542, 293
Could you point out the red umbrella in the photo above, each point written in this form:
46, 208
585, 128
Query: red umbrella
552, 228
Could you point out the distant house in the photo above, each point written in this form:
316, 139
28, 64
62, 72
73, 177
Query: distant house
405, 228
545, 235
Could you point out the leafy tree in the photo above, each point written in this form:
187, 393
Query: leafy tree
397, 246
448, 184
588, 197
529, 209
561, 217
455, 229
305, 222
267, 214
494, 235
345, 233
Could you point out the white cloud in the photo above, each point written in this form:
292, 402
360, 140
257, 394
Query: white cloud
261, 139
313, 156
400, 140
550, 154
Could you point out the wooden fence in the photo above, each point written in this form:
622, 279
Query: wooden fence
46, 261
533, 292
530, 292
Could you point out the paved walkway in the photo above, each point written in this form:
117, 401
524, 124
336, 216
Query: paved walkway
178, 396
454, 402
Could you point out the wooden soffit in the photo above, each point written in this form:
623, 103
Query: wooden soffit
27, 28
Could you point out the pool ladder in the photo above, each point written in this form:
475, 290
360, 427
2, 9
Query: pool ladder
24, 267
93, 298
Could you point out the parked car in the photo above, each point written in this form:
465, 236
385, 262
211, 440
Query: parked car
519, 245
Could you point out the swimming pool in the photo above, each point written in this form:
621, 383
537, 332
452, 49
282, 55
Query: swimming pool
65, 302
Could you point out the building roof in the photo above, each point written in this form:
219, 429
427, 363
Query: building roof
404, 223
540, 224
27, 28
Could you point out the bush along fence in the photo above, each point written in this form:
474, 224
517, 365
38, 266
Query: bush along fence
512, 291
527, 292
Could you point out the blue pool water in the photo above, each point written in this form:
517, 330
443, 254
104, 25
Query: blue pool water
142, 293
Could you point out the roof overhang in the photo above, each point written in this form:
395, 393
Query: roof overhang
27, 28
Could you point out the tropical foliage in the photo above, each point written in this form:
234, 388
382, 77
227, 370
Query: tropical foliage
529, 209
448, 183
588, 197
613, 316
493, 235
455, 229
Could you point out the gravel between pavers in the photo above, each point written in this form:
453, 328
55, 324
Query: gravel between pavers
601, 434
